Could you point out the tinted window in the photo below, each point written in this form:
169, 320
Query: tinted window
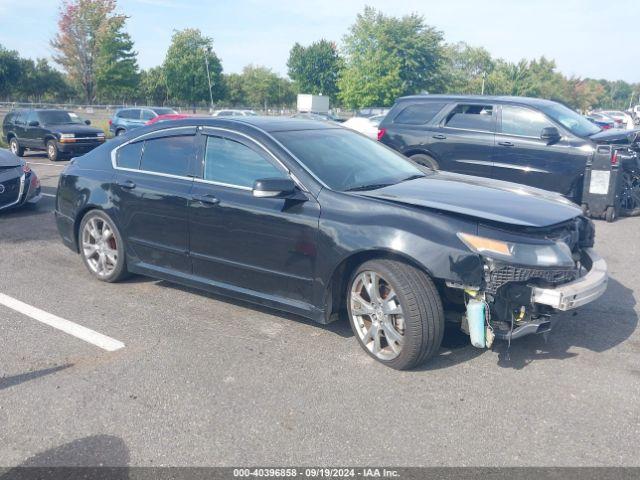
523, 121
233, 163
32, 117
170, 155
471, 117
164, 111
131, 114
419, 114
20, 117
566, 117
345, 160
129, 155
9, 118
58, 117
147, 115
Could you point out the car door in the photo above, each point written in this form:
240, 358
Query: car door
133, 119
464, 139
20, 127
34, 132
521, 156
151, 196
266, 245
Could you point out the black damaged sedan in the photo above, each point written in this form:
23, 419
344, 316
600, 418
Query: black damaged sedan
19, 185
317, 220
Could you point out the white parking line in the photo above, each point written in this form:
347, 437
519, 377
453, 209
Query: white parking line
46, 164
78, 331
48, 195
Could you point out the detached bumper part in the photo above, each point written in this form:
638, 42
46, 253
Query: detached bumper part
578, 292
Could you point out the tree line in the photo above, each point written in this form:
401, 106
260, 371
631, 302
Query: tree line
381, 57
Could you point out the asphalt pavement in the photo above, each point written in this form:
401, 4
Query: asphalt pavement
205, 381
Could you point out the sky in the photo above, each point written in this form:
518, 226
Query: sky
586, 38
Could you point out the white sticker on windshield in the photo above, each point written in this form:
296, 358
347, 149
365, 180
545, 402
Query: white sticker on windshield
599, 182
73, 115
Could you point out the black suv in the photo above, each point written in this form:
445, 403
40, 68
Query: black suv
524, 140
58, 132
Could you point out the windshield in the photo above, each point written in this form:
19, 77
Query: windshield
345, 160
165, 111
58, 117
572, 121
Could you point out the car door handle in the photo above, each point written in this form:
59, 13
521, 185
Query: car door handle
128, 184
206, 199
439, 136
506, 144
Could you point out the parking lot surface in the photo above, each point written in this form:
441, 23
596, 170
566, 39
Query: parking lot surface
205, 381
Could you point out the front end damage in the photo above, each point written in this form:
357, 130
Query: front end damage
514, 300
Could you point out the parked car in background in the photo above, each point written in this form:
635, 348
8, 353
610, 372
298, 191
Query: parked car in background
314, 219
622, 119
372, 111
19, 185
58, 132
600, 119
168, 116
523, 140
229, 112
366, 125
323, 117
127, 119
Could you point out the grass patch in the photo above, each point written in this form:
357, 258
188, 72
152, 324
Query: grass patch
102, 125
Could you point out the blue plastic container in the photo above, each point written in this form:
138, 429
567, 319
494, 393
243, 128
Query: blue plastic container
475, 319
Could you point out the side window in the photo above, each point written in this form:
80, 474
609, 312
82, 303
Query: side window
169, 155
9, 118
419, 114
147, 115
32, 117
471, 117
231, 162
129, 155
20, 118
523, 121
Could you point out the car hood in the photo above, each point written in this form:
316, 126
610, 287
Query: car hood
8, 159
483, 198
75, 128
616, 136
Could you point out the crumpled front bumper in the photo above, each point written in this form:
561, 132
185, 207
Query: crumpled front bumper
578, 292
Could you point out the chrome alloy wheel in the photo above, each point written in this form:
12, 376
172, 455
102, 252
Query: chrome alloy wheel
51, 150
377, 315
14, 146
99, 247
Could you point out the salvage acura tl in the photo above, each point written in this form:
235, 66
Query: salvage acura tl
19, 185
314, 219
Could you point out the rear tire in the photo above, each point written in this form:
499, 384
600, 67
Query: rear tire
406, 303
101, 247
610, 215
120, 131
426, 161
15, 147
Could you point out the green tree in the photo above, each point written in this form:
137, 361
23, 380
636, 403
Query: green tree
387, 56
465, 67
185, 68
40, 82
261, 86
315, 69
10, 71
77, 44
153, 86
117, 74
235, 95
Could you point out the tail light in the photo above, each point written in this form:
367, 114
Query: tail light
381, 132
110, 122
614, 158
26, 168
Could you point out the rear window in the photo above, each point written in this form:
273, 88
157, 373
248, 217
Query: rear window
168, 155
131, 114
129, 156
419, 114
9, 118
471, 117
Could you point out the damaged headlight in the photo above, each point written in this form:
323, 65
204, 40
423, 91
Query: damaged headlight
556, 254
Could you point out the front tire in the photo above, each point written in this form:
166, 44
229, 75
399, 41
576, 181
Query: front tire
52, 151
101, 247
15, 147
395, 312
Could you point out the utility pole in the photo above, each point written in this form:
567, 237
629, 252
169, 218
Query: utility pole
484, 75
206, 62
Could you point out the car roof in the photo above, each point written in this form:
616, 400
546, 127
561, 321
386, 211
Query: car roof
266, 124
481, 98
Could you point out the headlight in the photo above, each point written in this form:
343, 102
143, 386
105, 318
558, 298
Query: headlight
100, 134
540, 255
67, 135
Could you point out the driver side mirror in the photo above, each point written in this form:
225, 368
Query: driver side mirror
34, 123
273, 188
87, 122
550, 135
